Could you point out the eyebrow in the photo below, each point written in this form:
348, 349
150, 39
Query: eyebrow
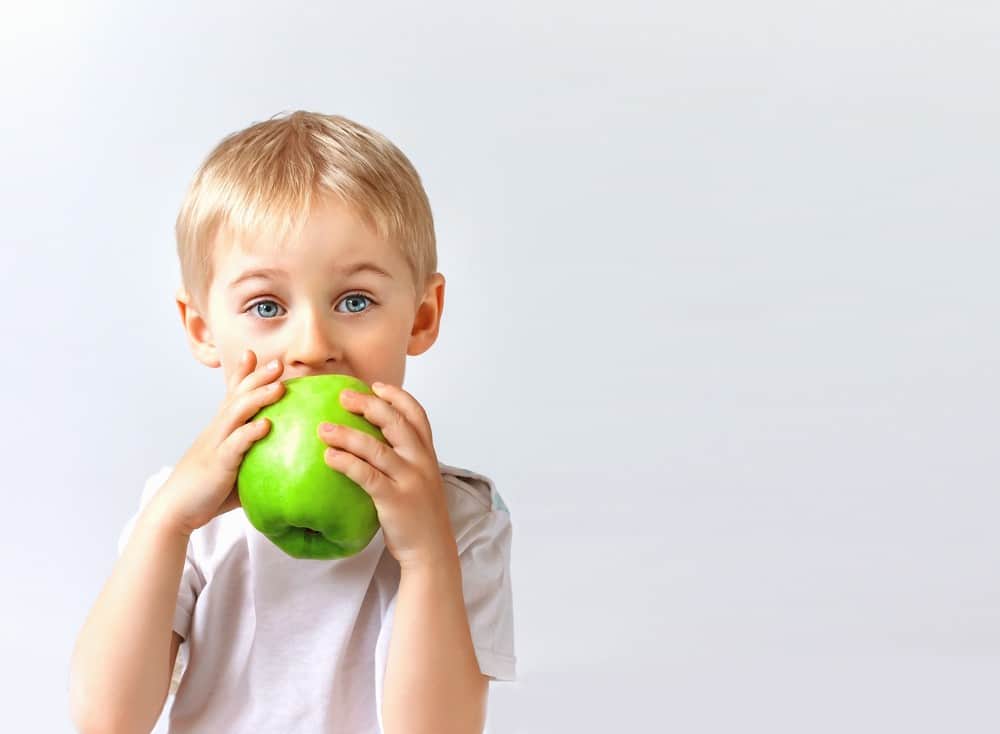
277, 273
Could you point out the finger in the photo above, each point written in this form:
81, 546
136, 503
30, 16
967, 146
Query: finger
246, 406
239, 442
370, 479
267, 373
247, 363
409, 406
394, 426
377, 453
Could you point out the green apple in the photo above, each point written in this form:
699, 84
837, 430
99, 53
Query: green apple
289, 492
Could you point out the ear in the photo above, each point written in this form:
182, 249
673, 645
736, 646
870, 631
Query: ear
196, 327
427, 319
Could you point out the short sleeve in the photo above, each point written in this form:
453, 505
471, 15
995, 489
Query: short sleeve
488, 597
483, 533
191, 579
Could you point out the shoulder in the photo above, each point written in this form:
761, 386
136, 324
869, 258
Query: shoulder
478, 514
472, 486
472, 497
459, 482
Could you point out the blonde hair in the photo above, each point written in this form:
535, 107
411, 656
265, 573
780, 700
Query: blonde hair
263, 180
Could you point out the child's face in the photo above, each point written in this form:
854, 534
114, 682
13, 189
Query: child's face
310, 312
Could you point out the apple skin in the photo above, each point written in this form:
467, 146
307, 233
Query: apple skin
289, 492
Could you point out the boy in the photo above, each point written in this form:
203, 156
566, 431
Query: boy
307, 247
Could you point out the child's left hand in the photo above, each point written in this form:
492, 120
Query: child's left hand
402, 477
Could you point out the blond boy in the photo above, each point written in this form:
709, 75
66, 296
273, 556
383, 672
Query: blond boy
307, 247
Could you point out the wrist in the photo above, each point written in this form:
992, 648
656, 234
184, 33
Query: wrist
439, 560
160, 517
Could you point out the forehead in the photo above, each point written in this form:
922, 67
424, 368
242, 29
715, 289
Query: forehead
331, 238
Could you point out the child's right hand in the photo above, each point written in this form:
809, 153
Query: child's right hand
203, 484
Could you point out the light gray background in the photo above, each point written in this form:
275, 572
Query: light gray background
720, 321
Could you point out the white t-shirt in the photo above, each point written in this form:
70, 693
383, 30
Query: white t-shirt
274, 643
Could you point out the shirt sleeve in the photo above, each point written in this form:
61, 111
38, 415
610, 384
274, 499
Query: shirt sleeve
488, 598
483, 534
191, 578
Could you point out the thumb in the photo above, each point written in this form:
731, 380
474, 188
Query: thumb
231, 503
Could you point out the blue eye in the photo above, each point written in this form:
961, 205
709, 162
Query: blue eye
260, 313
267, 310
355, 298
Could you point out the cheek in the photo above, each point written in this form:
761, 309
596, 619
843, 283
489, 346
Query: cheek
375, 346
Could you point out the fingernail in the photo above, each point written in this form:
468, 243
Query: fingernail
273, 364
326, 426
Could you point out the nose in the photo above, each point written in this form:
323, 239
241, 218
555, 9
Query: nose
312, 348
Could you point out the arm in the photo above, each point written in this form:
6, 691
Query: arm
124, 654
123, 660
432, 679
432, 682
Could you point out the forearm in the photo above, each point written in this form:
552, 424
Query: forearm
432, 679
120, 673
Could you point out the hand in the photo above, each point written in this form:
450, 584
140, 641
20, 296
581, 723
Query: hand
203, 484
402, 478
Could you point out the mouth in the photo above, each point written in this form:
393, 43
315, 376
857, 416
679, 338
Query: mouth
288, 376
